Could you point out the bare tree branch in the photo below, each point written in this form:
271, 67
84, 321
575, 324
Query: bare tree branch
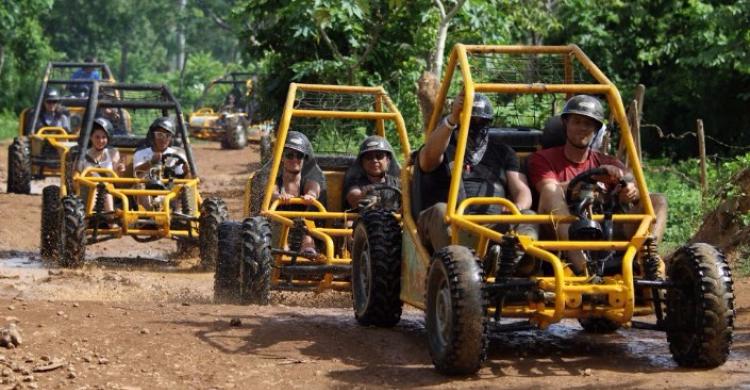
211, 14
441, 8
331, 45
455, 9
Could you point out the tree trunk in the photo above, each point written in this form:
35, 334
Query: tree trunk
181, 37
2, 58
429, 83
442, 35
123, 61
436, 65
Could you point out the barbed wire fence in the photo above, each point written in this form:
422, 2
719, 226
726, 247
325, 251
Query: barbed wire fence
634, 117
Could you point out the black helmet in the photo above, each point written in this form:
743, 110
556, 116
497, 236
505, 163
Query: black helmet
298, 141
585, 105
52, 95
165, 123
104, 124
482, 107
375, 143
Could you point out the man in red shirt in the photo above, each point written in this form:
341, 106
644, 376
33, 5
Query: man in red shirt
551, 169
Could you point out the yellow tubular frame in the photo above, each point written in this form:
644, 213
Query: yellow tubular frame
91, 177
61, 141
565, 288
384, 110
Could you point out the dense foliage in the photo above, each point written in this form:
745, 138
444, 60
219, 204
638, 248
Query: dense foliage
693, 55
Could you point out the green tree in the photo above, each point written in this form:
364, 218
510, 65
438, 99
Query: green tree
23, 50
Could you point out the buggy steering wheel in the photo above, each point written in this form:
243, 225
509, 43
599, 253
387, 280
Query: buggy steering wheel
595, 196
367, 200
169, 170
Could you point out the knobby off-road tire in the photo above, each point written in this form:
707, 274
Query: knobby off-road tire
227, 278
49, 245
234, 137
19, 167
71, 159
598, 325
376, 269
266, 148
213, 212
700, 309
256, 260
258, 189
73, 237
456, 318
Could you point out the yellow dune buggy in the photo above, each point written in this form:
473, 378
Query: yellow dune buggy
264, 251
163, 202
230, 119
35, 152
467, 291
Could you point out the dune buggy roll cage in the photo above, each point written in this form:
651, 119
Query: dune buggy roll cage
458, 220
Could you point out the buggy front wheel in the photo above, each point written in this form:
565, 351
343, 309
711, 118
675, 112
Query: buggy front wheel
456, 312
73, 232
49, 245
700, 307
376, 269
256, 261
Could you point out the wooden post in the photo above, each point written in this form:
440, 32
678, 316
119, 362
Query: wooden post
640, 95
702, 153
635, 129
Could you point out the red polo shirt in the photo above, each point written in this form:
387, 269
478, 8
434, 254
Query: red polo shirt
552, 164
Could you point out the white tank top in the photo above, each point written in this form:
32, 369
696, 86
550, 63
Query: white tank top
106, 160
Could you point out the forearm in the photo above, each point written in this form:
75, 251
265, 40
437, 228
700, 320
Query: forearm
313, 189
519, 190
431, 154
522, 198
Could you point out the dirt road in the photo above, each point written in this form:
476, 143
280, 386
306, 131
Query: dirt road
152, 325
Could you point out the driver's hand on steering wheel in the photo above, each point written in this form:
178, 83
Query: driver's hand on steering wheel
629, 193
156, 158
285, 197
613, 176
307, 199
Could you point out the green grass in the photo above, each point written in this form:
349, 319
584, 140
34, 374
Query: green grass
678, 181
8, 125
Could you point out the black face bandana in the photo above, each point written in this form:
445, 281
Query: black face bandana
476, 143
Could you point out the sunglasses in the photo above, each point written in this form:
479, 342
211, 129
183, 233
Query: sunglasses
379, 155
293, 154
162, 135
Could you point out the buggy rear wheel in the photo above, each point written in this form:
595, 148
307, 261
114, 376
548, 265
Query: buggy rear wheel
19, 167
376, 269
234, 137
73, 235
213, 212
266, 148
49, 245
700, 307
456, 312
227, 276
256, 260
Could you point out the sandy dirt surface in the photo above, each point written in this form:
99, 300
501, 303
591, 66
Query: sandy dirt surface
151, 324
